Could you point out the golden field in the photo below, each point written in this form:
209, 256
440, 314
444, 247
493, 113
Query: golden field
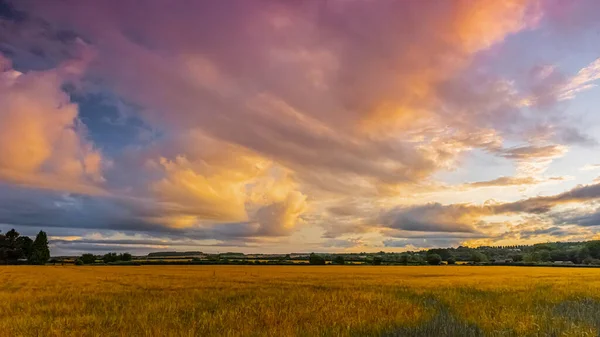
298, 301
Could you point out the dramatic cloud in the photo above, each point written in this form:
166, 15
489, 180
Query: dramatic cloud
41, 140
338, 124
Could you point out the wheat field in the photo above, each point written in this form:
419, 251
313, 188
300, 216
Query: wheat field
298, 301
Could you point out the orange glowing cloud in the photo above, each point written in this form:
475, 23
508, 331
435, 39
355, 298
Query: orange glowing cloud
40, 142
446, 47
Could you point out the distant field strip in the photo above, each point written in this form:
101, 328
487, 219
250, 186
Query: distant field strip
298, 301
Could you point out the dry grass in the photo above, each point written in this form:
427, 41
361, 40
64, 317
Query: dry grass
298, 301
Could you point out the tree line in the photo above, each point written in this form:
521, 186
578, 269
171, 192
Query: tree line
18, 249
106, 258
576, 253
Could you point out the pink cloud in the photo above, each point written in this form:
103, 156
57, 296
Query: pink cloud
346, 98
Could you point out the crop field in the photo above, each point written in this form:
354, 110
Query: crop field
298, 301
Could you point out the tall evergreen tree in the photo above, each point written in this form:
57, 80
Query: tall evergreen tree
40, 253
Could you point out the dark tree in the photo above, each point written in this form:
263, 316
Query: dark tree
40, 253
316, 259
25, 244
443, 253
11, 237
377, 261
10, 251
434, 259
339, 260
451, 260
87, 258
3, 248
110, 257
125, 257
594, 248
14, 247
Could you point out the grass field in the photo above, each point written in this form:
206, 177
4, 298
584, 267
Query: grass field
298, 301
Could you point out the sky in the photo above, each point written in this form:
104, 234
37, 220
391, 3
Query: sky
299, 126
